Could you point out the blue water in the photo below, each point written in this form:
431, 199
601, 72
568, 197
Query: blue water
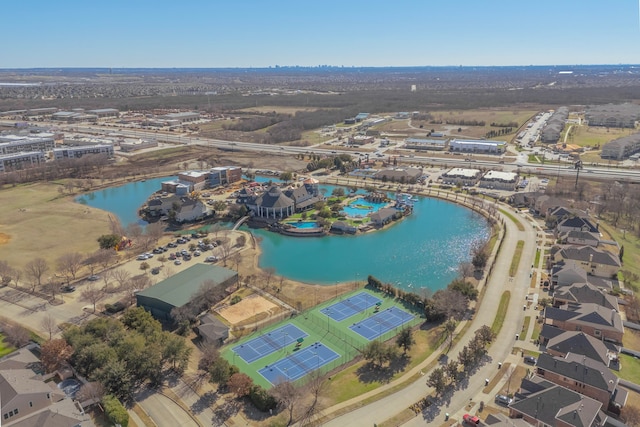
363, 208
421, 251
124, 200
304, 224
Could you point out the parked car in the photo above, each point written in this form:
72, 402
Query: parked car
501, 399
155, 270
211, 259
471, 419
172, 245
142, 257
93, 278
196, 253
177, 262
68, 288
172, 257
530, 360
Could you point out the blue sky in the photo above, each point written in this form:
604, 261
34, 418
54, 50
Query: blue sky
262, 33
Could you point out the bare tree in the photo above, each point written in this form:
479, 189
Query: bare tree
133, 232
17, 336
90, 392
106, 277
268, 275
313, 388
465, 269
69, 264
121, 276
105, 257
451, 302
93, 295
288, 398
35, 270
116, 226
154, 231
49, 324
237, 259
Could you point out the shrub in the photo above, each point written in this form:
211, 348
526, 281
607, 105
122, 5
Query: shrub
236, 299
114, 410
261, 399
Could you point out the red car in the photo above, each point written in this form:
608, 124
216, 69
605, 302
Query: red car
471, 419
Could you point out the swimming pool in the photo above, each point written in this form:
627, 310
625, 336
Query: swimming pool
303, 224
360, 208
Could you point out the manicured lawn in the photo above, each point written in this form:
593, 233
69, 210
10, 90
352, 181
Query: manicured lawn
537, 328
525, 328
630, 368
502, 312
515, 261
5, 348
537, 260
512, 218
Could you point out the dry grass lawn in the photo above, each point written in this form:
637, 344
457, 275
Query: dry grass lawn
38, 222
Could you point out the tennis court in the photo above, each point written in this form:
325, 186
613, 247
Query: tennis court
353, 305
268, 343
381, 323
299, 364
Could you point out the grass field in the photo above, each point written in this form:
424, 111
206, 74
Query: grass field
498, 321
339, 338
591, 136
36, 219
515, 261
512, 218
525, 328
5, 348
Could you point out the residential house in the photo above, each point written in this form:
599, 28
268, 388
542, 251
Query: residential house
566, 273
343, 227
211, 330
592, 319
26, 400
192, 210
543, 403
580, 238
594, 261
584, 293
579, 343
586, 376
383, 216
575, 223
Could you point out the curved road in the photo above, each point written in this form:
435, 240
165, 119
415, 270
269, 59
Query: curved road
499, 282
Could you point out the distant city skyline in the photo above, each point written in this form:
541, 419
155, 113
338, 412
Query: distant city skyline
256, 33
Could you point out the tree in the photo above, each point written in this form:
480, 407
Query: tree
69, 264
451, 303
449, 327
480, 255
630, 415
465, 269
405, 340
48, 323
55, 354
240, 384
90, 392
378, 353
121, 276
220, 371
144, 266
93, 295
286, 176
485, 335
114, 410
17, 336
109, 241
36, 269
287, 397
438, 380
465, 288
105, 257
261, 398
453, 371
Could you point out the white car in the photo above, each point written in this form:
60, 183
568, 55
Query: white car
142, 257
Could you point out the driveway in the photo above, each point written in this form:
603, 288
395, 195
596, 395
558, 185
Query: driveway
163, 411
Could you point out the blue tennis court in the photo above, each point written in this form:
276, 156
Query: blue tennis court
267, 343
299, 364
381, 323
353, 305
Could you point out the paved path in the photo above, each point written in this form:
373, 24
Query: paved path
163, 411
498, 282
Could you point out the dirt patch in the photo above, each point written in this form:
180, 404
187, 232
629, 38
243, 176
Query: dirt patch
4, 238
248, 307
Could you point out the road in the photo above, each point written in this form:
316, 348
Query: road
393, 404
163, 411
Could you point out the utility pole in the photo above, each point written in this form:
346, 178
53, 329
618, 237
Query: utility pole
578, 166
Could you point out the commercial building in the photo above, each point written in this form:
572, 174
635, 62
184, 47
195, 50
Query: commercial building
613, 115
21, 160
402, 175
84, 150
499, 180
224, 175
360, 140
10, 144
621, 148
183, 117
73, 116
550, 133
179, 289
461, 176
105, 112
130, 145
425, 144
477, 146
41, 111
200, 180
